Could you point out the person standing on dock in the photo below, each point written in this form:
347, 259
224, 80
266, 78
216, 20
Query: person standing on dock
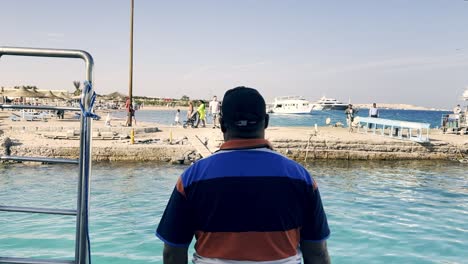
214, 111
177, 118
190, 110
457, 111
130, 111
373, 112
201, 114
245, 203
350, 112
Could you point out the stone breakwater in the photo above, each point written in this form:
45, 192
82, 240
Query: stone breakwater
346, 150
58, 138
177, 149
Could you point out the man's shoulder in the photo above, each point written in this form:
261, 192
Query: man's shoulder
225, 159
270, 160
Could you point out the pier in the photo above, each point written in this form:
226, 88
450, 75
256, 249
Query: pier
414, 131
155, 142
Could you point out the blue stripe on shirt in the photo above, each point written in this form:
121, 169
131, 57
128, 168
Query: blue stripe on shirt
255, 163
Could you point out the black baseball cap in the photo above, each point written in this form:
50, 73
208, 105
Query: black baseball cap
243, 107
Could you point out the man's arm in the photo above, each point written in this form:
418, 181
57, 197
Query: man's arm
315, 252
175, 255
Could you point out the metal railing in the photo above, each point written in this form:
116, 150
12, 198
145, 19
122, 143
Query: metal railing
82, 248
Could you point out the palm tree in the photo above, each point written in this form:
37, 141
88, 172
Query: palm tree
77, 85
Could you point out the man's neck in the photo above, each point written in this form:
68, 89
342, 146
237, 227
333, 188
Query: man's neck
228, 137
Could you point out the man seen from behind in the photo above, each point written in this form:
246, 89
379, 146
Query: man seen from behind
245, 203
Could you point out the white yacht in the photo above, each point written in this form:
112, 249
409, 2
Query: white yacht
329, 104
290, 105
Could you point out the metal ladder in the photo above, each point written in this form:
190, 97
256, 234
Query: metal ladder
82, 247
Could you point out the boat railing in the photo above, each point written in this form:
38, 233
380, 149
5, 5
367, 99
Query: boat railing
414, 131
82, 244
291, 97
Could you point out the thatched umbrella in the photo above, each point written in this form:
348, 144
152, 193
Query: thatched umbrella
64, 95
50, 95
116, 96
101, 96
21, 92
2, 98
38, 94
76, 97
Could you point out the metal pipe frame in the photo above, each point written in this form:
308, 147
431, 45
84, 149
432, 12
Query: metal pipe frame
33, 261
37, 210
82, 240
39, 107
40, 159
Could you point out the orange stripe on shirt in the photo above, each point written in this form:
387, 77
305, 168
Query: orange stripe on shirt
254, 246
180, 186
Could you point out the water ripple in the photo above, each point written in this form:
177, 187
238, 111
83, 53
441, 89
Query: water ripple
379, 212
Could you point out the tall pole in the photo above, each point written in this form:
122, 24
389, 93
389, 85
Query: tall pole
130, 79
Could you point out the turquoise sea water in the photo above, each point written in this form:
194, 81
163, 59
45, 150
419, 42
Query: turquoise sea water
166, 117
379, 212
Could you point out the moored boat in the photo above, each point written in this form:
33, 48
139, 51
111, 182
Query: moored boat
290, 105
328, 104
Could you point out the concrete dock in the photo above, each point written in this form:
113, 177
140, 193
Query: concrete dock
58, 138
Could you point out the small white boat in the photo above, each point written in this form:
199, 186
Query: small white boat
290, 105
329, 104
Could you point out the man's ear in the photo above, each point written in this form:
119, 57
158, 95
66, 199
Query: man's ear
267, 120
223, 126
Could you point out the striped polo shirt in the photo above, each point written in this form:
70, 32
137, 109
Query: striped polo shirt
245, 202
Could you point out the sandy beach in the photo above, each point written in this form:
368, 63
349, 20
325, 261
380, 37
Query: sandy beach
153, 142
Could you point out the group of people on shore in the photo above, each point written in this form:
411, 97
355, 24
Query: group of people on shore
214, 108
351, 112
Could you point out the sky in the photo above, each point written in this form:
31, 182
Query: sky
362, 51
